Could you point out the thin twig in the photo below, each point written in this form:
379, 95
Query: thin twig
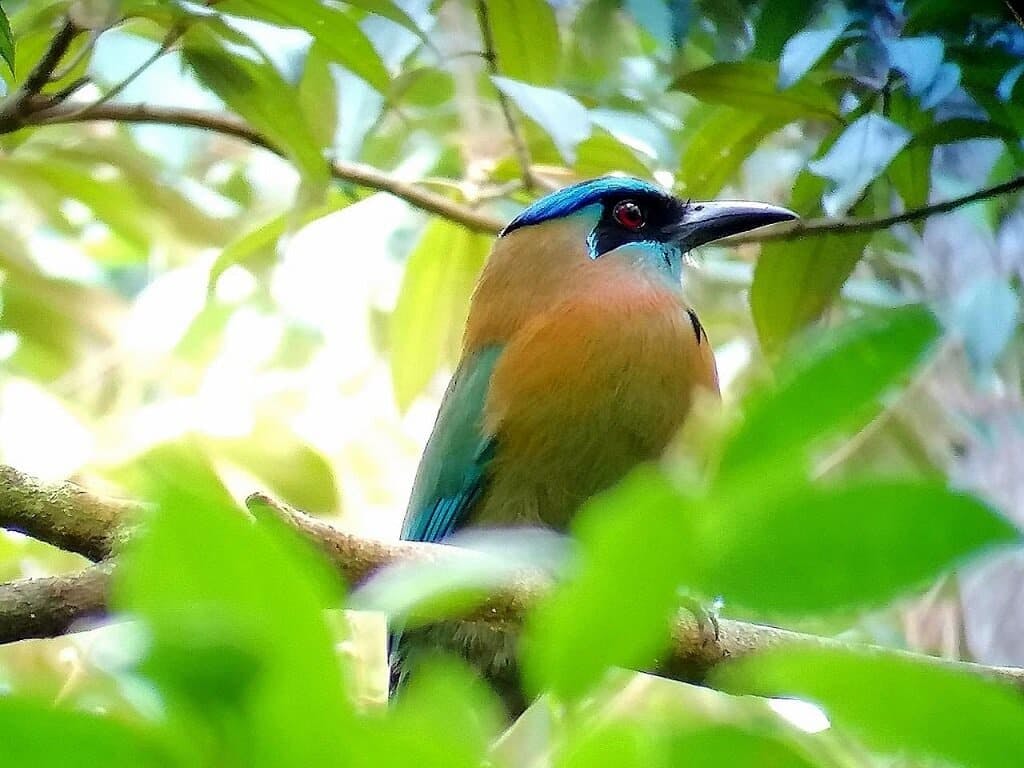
59, 74
172, 36
373, 178
12, 109
847, 226
518, 142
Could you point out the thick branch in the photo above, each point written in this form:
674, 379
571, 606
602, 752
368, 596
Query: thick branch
62, 514
32, 608
50, 606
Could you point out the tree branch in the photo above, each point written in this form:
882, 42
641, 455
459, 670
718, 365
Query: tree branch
63, 514
12, 108
75, 519
228, 125
431, 202
847, 226
51, 606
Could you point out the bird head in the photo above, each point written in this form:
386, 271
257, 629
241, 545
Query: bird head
633, 219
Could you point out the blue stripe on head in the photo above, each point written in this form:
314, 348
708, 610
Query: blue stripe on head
571, 199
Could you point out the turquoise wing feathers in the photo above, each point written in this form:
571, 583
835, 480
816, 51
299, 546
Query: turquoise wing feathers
452, 472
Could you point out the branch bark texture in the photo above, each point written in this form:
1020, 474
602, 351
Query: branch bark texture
74, 519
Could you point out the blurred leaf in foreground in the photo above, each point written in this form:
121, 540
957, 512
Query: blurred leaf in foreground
896, 704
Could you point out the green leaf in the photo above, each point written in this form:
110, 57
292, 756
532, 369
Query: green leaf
717, 148
777, 22
911, 170
927, 709
808, 551
252, 87
445, 717
795, 281
432, 303
563, 118
392, 12
42, 736
237, 631
602, 154
861, 153
341, 38
751, 86
829, 385
291, 469
6, 41
318, 95
624, 591
526, 45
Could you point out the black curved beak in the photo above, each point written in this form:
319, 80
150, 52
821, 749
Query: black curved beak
706, 222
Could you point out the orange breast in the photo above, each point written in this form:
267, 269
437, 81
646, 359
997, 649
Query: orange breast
588, 388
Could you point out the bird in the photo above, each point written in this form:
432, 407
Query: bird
580, 360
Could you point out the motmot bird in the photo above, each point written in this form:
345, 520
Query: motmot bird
580, 360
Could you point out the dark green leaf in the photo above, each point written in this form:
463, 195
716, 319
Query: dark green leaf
960, 129
341, 38
6, 41
911, 170
751, 85
953, 716
777, 22
861, 153
432, 304
526, 44
795, 281
828, 385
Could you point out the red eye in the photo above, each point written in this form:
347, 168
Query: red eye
629, 214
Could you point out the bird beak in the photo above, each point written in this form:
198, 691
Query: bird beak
710, 221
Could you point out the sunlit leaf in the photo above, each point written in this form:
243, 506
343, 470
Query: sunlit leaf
811, 551
341, 38
432, 304
43, 736
827, 386
625, 592
861, 153
253, 88
985, 314
804, 49
751, 85
563, 118
234, 611
953, 716
602, 153
526, 44
445, 717
291, 469
918, 58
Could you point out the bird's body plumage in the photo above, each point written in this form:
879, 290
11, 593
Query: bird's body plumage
580, 359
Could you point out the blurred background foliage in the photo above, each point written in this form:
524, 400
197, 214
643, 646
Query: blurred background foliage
225, 288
